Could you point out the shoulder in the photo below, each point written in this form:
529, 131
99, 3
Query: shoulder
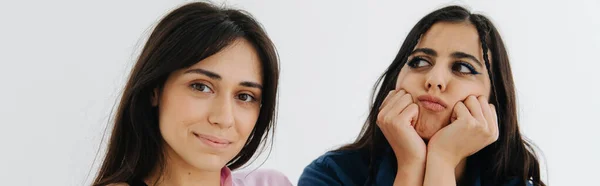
259, 177
335, 159
347, 167
118, 184
342, 155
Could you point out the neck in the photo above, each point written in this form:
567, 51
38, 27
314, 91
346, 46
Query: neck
459, 170
179, 172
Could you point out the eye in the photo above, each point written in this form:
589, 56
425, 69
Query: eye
464, 68
418, 62
246, 97
201, 87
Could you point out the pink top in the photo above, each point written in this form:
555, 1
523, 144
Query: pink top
253, 178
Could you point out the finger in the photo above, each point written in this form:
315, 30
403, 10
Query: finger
485, 109
494, 113
389, 97
385, 109
399, 105
390, 94
475, 108
402, 103
494, 124
410, 114
460, 110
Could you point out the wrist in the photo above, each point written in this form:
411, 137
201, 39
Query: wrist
410, 162
442, 158
410, 174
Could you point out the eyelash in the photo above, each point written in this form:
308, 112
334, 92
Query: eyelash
414, 62
456, 66
467, 65
197, 87
252, 98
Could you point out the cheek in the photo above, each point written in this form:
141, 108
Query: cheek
177, 112
460, 90
408, 81
245, 122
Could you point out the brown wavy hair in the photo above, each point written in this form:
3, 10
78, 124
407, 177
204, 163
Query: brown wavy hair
511, 156
185, 36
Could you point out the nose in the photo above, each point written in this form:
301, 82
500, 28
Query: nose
437, 79
221, 113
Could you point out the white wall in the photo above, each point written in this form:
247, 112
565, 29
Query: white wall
63, 63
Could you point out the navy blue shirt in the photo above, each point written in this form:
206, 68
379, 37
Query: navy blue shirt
351, 167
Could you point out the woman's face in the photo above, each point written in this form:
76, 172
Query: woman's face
207, 111
445, 67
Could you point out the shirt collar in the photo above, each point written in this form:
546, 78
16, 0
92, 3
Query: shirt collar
226, 179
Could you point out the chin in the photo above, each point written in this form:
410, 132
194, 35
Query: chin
429, 124
425, 136
427, 130
206, 162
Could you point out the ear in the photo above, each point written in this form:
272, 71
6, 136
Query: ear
154, 97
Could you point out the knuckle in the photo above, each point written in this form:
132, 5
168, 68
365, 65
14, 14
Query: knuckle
380, 119
413, 106
406, 97
472, 97
496, 135
492, 138
482, 99
388, 120
471, 122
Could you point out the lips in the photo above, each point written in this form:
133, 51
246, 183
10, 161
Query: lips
432, 103
213, 141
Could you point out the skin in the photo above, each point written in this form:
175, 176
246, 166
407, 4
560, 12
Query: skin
208, 99
431, 145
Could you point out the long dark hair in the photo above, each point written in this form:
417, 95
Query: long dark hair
511, 156
185, 36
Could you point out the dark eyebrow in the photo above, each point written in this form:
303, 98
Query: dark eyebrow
210, 74
427, 51
465, 55
216, 76
251, 84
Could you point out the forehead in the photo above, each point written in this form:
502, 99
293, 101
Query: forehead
238, 62
446, 38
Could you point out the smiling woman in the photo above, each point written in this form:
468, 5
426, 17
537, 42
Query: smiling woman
199, 103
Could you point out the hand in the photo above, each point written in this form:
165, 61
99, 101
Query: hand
473, 126
396, 119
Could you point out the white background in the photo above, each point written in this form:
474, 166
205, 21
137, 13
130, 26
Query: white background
63, 65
